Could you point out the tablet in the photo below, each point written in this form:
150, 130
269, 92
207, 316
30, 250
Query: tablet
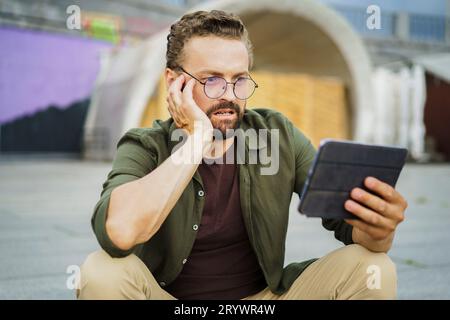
340, 166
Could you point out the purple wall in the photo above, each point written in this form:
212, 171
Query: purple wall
39, 69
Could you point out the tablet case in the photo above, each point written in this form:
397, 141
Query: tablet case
340, 166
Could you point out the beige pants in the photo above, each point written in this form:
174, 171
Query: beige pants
351, 272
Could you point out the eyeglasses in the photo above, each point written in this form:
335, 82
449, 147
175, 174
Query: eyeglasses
215, 87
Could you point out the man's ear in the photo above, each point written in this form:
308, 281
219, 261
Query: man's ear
169, 76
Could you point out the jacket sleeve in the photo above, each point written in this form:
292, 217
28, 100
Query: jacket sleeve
131, 162
304, 156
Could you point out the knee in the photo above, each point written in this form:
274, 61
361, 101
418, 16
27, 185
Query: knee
378, 270
100, 265
372, 260
102, 273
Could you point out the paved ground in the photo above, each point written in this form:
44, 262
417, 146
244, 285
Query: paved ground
45, 209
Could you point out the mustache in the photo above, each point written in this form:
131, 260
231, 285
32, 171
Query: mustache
224, 105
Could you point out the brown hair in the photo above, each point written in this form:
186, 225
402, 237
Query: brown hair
204, 23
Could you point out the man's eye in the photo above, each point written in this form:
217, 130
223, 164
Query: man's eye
241, 81
213, 80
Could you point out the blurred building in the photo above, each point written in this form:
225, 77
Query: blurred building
318, 62
414, 39
48, 70
310, 65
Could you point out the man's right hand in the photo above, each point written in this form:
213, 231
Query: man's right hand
183, 109
138, 208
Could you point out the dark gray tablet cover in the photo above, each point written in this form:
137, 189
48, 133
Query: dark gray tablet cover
340, 166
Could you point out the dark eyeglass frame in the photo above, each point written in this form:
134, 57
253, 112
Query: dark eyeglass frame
233, 83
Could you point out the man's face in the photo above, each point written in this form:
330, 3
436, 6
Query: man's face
213, 56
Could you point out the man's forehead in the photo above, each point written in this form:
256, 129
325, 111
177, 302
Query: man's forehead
216, 55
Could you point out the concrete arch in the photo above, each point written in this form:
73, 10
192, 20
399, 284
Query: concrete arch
290, 35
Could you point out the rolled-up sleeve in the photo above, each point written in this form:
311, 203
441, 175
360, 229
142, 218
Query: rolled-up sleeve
342, 230
131, 162
304, 157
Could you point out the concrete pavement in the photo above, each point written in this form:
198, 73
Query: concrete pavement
46, 205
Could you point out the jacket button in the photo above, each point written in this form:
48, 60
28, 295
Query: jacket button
201, 193
162, 284
195, 227
184, 261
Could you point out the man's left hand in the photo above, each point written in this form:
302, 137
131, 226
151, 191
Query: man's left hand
380, 213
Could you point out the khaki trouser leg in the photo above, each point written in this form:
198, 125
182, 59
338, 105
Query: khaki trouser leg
343, 274
104, 277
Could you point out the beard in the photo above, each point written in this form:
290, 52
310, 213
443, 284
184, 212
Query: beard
229, 123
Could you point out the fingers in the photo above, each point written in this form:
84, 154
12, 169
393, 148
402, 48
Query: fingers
175, 102
182, 107
369, 216
380, 213
173, 112
374, 232
372, 201
187, 92
383, 189
175, 88
388, 193
185, 103
175, 91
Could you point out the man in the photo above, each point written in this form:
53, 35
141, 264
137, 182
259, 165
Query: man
195, 230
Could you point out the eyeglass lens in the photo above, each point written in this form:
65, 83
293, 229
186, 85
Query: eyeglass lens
215, 87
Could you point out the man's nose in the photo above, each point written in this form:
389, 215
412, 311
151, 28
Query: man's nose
229, 93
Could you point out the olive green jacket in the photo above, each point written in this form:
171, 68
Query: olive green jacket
265, 199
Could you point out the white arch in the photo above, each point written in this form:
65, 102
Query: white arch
133, 73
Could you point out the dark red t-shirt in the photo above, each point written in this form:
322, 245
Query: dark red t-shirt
222, 263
